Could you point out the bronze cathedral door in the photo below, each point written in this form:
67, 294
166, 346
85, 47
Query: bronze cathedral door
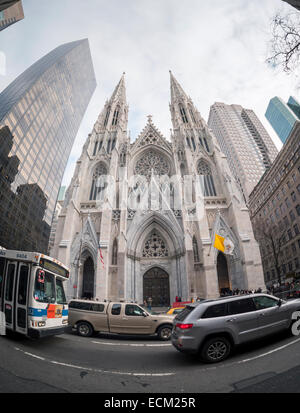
156, 285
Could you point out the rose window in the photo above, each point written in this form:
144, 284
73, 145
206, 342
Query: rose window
152, 163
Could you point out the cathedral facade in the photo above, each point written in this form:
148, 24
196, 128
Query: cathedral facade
139, 218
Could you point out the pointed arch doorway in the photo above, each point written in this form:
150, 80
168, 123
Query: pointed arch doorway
223, 275
88, 277
156, 284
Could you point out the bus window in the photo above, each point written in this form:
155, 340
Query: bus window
2, 262
10, 282
60, 293
44, 287
23, 281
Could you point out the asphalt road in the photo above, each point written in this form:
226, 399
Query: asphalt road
109, 364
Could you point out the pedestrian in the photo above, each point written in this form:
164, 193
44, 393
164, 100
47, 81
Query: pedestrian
149, 303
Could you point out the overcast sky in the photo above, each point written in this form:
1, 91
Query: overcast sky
216, 49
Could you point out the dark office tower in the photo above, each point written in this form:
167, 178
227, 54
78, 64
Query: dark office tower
5, 4
40, 113
10, 13
294, 3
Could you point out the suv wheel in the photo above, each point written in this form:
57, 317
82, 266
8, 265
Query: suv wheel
215, 350
84, 329
164, 333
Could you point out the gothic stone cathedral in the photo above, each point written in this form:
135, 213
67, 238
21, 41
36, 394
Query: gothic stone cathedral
153, 252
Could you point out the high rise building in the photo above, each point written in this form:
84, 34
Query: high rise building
40, 113
10, 13
283, 116
274, 206
128, 198
245, 142
294, 3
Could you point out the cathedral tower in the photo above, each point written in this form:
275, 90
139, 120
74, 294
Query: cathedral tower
123, 199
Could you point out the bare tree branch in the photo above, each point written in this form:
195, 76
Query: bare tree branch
285, 42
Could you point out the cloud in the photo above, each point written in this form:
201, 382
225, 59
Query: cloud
215, 49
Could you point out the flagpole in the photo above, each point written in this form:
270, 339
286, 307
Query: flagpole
218, 214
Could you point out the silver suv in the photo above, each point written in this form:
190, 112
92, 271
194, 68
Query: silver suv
212, 328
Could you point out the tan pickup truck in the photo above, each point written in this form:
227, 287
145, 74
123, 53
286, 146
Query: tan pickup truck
88, 317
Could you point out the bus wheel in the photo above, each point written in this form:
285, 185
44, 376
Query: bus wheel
84, 329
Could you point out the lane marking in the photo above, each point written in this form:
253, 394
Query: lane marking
270, 352
131, 345
153, 374
84, 368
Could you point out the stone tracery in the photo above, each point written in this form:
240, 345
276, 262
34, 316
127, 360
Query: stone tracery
155, 247
152, 162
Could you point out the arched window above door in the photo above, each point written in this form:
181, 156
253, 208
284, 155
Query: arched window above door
155, 246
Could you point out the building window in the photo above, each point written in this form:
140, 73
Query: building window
296, 229
208, 185
206, 144
155, 247
98, 184
114, 260
192, 114
108, 146
293, 196
116, 116
183, 114
193, 143
298, 209
107, 116
95, 148
195, 250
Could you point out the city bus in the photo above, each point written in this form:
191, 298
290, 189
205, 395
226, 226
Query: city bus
32, 297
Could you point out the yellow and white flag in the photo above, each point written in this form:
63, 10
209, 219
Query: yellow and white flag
224, 244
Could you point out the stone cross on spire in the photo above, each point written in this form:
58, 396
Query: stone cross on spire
149, 118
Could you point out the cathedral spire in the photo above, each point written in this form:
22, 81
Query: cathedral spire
115, 111
177, 92
119, 94
183, 111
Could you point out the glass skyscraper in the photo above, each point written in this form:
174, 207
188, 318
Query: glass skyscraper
40, 114
282, 116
